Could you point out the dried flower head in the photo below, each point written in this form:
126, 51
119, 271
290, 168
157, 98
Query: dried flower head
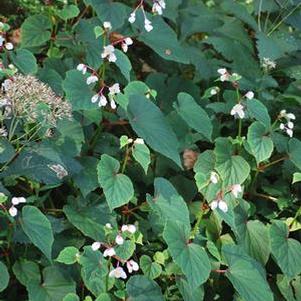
33, 100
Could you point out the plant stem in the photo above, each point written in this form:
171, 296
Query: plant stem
126, 158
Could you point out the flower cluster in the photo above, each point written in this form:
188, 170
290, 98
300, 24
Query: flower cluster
110, 251
13, 211
157, 8
238, 110
29, 98
289, 125
100, 98
225, 75
268, 64
3, 42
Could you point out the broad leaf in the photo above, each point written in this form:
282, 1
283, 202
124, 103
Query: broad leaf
25, 61
141, 154
149, 268
4, 276
68, 255
295, 151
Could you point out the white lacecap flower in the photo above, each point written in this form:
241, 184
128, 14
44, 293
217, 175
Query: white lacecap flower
109, 252
13, 211
221, 204
95, 98
119, 240
132, 266
132, 17
236, 189
213, 177
9, 46
249, 95
18, 200
222, 71
139, 141
92, 79
238, 111
96, 245
82, 68
107, 25
108, 226
115, 89
108, 52
118, 273
148, 25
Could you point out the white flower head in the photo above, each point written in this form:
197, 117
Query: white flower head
13, 211
108, 52
148, 25
214, 91
119, 240
158, 7
9, 46
92, 79
268, 64
290, 116
289, 132
108, 226
290, 125
118, 273
249, 95
126, 43
213, 205
107, 25
236, 189
96, 245
139, 141
18, 200
109, 252
129, 228
222, 71
102, 101
221, 204
214, 177
282, 126
238, 111
95, 98
115, 89
132, 266
113, 104
82, 68
132, 17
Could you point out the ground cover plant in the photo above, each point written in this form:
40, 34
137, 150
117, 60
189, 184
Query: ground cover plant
149, 150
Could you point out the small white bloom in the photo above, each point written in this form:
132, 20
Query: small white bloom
222, 71
96, 245
82, 68
118, 273
290, 116
148, 25
157, 8
236, 189
289, 132
213, 205
108, 52
132, 17
224, 77
126, 43
109, 252
92, 79
113, 104
222, 205
238, 111
124, 228
282, 126
9, 46
282, 113
95, 98
132, 228
107, 25
2, 40
213, 177
139, 141
268, 64
249, 95
119, 240
115, 89
18, 200
13, 211
108, 226
213, 91
290, 125
132, 266
102, 101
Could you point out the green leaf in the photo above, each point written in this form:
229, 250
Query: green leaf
258, 111
189, 294
294, 151
124, 64
6, 150
35, 31
149, 268
77, 91
71, 297
68, 255
260, 143
190, 257
68, 12
296, 177
118, 188
194, 115
4, 276
55, 286
103, 297
233, 169
26, 271
38, 229
126, 250
150, 124
141, 154
25, 61
286, 251
140, 288
246, 275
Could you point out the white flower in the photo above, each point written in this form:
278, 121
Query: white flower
124, 228
2, 40
132, 17
108, 226
282, 126
82, 68
289, 132
238, 111
119, 240
222, 71
113, 104
126, 43
129, 228
96, 245
139, 141
18, 200
158, 6
132, 266
92, 79
268, 64
107, 25
222, 205
108, 52
213, 177
148, 25
115, 89
9, 46
109, 252
290, 116
95, 98
6, 84
290, 125
118, 273
249, 95
213, 205
236, 189
102, 101
213, 91
13, 211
